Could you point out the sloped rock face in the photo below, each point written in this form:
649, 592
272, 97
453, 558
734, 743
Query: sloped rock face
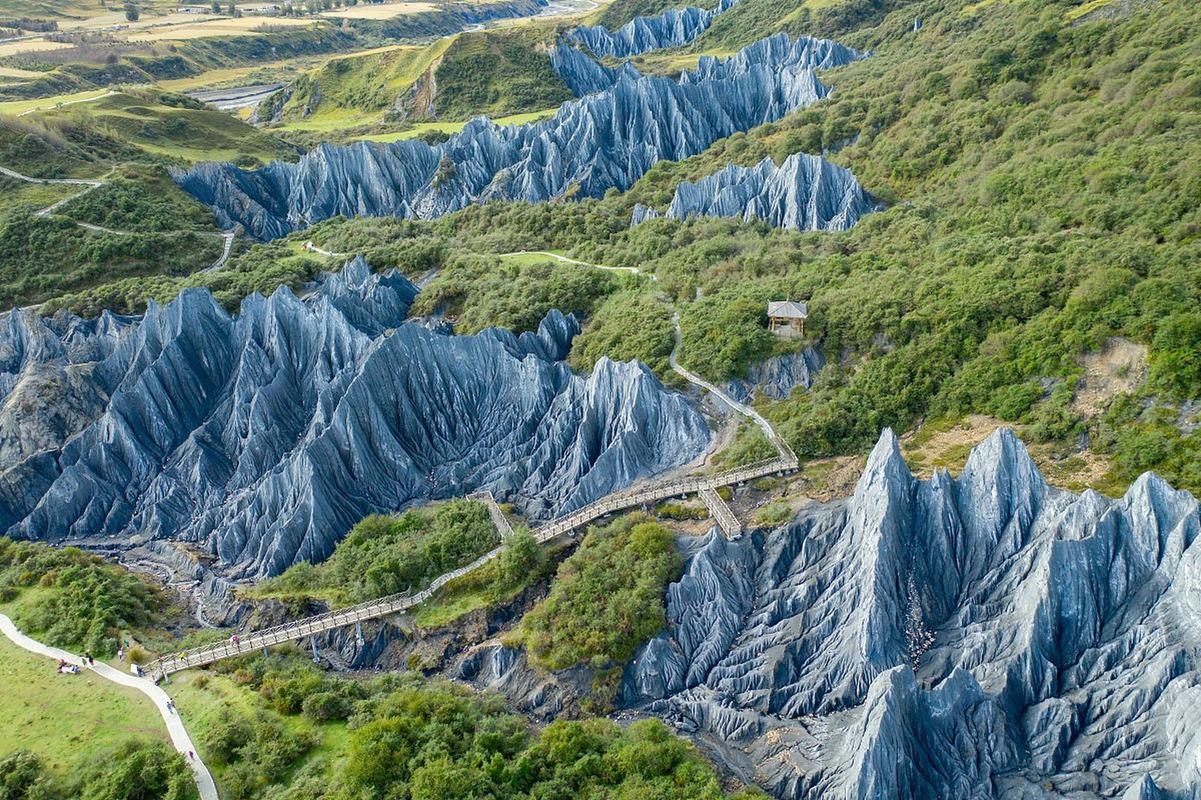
979, 637
804, 193
263, 437
779, 375
673, 28
606, 139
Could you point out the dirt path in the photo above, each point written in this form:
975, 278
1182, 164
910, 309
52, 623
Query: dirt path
175, 727
88, 185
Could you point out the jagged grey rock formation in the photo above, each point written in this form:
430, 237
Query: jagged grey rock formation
675, 27
604, 140
779, 375
804, 193
978, 637
263, 437
585, 76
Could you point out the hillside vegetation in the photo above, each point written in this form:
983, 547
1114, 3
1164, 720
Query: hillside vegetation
495, 73
384, 555
607, 598
70, 599
162, 234
277, 727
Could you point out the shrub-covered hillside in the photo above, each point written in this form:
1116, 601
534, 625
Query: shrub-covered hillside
1042, 171
495, 72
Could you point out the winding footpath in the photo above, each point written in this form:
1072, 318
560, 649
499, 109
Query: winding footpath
639, 495
175, 727
88, 185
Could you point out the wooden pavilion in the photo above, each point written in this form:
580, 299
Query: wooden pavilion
787, 318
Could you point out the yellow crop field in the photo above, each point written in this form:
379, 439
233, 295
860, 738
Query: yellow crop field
223, 26
379, 10
29, 46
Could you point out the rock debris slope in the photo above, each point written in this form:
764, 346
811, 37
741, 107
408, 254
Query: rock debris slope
979, 637
263, 437
804, 193
675, 27
606, 139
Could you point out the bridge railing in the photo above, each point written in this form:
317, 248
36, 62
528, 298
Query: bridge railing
372, 609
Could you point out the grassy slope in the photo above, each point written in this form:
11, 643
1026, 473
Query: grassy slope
357, 89
62, 717
499, 73
128, 137
172, 126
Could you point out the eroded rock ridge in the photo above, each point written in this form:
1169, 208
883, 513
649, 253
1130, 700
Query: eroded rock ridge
804, 193
675, 27
263, 437
983, 636
606, 139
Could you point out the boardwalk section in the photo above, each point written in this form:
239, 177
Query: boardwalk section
721, 513
397, 603
498, 517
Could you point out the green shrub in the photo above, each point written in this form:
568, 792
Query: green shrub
133, 771
326, 707
88, 602
387, 554
773, 515
607, 598
678, 511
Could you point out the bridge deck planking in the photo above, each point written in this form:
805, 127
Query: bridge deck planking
382, 607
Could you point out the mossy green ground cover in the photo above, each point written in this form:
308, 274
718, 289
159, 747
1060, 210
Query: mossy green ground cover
65, 717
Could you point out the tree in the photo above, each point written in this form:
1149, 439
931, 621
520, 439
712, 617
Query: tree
522, 557
233, 9
21, 776
216, 7
132, 12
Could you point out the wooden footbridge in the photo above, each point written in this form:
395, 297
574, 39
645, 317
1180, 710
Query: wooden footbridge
644, 495
566, 525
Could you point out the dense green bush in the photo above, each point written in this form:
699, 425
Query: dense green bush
482, 292
257, 750
140, 199
134, 770
437, 740
86, 604
42, 257
387, 554
607, 598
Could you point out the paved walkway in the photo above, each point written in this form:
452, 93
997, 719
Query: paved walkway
175, 727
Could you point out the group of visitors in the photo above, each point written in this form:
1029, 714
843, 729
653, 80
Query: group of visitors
65, 667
